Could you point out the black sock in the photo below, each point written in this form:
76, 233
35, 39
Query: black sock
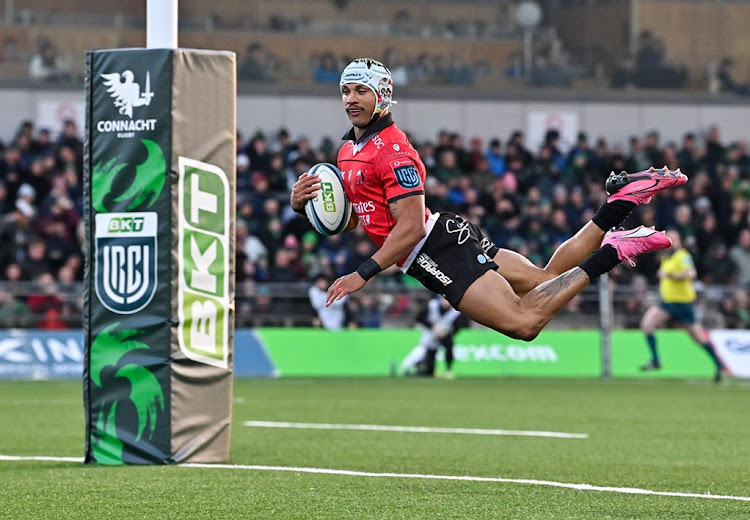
600, 261
651, 340
711, 352
613, 214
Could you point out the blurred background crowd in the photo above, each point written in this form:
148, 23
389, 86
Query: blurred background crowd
526, 200
676, 44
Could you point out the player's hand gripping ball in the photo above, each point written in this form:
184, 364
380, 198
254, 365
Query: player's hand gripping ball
330, 210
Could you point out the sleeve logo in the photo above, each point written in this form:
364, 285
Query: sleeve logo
407, 176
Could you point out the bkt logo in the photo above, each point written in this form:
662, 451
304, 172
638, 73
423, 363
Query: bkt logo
204, 256
126, 225
125, 260
329, 204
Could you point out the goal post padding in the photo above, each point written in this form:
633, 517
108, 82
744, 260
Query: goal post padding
159, 198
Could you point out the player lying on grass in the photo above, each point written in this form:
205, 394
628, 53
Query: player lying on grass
384, 179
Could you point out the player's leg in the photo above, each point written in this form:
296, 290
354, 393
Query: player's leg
448, 360
412, 359
626, 191
490, 300
429, 362
523, 275
652, 319
699, 334
453, 262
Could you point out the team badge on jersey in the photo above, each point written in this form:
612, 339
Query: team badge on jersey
406, 173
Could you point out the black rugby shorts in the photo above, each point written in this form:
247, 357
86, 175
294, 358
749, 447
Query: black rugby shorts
454, 255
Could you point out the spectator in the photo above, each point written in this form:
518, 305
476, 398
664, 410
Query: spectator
45, 303
256, 65
514, 68
740, 255
14, 312
46, 64
625, 75
724, 80
333, 317
369, 315
36, 263
326, 69
269, 311
654, 67
730, 313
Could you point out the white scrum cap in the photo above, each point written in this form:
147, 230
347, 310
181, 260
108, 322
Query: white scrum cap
375, 76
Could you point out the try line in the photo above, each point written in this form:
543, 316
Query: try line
464, 478
411, 429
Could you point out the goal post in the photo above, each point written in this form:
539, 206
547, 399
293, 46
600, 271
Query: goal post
159, 195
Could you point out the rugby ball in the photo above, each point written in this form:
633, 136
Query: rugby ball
330, 210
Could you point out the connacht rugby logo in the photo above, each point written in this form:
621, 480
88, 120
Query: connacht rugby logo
125, 260
126, 93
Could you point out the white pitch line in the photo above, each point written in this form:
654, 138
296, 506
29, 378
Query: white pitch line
411, 429
52, 459
580, 487
464, 478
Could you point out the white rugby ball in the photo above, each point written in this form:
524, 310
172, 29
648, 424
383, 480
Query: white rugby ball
330, 210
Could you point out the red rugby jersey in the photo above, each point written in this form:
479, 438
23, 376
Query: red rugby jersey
380, 168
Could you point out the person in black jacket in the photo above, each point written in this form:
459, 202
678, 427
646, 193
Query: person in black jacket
440, 324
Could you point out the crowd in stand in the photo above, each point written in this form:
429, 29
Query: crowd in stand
526, 200
41, 203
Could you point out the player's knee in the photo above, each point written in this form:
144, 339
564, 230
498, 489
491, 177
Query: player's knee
525, 331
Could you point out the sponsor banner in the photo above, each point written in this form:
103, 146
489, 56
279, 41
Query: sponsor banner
272, 352
481, 353
250, 356
316, 352
58, 354
38, 354
203, 230
203, 250
680, 356
319, 352
733, 348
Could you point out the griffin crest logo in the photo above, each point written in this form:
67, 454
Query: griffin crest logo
126, 93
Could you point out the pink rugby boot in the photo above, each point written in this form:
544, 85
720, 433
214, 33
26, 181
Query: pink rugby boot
633, 242
641, 186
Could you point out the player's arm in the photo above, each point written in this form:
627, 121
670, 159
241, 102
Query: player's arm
686, 274
683, 271
408, 231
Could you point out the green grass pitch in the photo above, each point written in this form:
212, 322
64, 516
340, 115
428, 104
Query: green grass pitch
687, 437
